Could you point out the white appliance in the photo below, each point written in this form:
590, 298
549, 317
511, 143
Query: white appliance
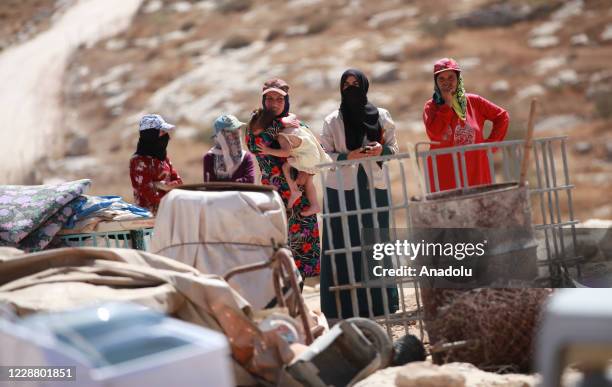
118, 345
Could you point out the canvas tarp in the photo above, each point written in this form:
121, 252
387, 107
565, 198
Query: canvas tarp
215, 231
62, 279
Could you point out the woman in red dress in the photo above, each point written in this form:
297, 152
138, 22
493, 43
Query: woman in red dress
455, 118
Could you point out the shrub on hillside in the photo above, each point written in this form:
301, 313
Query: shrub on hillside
229, 6
319, 25
437, 28
603, 103
236, 41
273, 34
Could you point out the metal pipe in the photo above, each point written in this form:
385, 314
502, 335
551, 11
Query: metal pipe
347, 244
332, 255
393, 234
505, 163
466, 183
570, 202
528, 143
550, 204
364, 262
426, 169
556, 199
491, 165
541, 190
435, 174
358, 213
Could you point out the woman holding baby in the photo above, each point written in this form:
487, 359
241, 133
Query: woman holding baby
286, 152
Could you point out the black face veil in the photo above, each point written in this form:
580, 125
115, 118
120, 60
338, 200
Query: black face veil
360, 117
151, 144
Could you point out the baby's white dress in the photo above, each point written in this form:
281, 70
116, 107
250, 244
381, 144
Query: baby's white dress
308, 154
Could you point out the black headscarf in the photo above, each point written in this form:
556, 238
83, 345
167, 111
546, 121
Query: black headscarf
360, 117
151, 144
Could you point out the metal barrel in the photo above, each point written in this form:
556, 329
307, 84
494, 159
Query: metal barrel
501, 214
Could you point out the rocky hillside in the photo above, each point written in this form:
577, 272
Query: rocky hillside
193, 60
22, 19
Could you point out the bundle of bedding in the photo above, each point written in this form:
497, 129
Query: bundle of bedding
32, 216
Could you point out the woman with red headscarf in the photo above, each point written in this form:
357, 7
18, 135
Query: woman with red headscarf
456, 118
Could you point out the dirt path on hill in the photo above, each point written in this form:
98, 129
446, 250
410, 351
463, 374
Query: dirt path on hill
31, 75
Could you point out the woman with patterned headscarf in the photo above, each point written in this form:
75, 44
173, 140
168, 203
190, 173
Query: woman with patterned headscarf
455, 118
262, 131
226, 160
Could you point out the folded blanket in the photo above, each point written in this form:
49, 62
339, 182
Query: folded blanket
44, 235
106, 208
30, 216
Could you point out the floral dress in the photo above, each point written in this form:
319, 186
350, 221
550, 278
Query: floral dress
145, 171
303, 231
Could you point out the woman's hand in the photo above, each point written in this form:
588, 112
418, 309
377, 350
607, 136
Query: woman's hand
266, 150
448, 97
375, 149
163, 186
290, 121
262, 149
356, 154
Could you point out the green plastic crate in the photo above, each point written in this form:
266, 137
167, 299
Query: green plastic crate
139, 239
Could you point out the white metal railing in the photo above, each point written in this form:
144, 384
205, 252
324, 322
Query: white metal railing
550, 190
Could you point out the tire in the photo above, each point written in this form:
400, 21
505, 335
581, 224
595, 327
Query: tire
377, 336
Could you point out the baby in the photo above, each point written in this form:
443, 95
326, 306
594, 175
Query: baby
303, 153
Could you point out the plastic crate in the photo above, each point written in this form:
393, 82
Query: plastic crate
129, 235
128, 239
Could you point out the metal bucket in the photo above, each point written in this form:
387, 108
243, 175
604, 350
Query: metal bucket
501, 214
488, 206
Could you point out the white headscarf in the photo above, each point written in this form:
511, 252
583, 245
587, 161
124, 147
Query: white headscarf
228, 153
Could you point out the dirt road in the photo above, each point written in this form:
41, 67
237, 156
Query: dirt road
31, 75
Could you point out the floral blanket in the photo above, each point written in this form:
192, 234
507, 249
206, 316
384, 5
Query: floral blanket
30, 216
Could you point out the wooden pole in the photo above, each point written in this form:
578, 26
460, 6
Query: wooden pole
528, 143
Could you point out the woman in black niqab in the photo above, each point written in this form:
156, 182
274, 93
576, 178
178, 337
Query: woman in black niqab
150, 143
360, 117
